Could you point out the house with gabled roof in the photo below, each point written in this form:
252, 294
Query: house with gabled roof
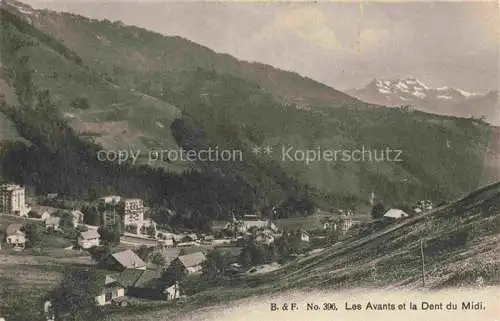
42, 212
53, 223
395, 213
89, 239
147, 284
121, 261
14, 236
169, 254
112, 291
187, 264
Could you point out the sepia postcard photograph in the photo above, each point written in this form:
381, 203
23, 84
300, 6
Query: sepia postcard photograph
249, 160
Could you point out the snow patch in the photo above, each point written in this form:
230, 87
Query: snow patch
444, 97
418, 94
160, 124
422, 85
465, 93
402, 86
384, 91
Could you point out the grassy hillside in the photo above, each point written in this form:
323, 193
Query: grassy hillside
127, 88
129, 53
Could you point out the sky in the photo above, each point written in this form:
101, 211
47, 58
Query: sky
342, 44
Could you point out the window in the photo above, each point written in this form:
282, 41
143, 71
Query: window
108, 295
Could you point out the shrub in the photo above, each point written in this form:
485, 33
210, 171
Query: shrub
378, 210
80, 103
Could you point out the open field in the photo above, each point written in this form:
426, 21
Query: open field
6, 220
33, 269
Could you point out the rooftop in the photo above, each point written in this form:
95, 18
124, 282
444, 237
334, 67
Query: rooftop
90, 234
129, 259
13, 229
10, 187
193, 259
53, 220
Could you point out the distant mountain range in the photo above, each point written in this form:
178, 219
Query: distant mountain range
442, 100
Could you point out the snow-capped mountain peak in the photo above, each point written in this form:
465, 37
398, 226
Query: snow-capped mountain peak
410, 88
441, 100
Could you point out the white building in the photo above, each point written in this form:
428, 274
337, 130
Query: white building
12, 200
132, 210
89, 239
172, 292
110, 200
395, 213
14, 236
248, 222
77, 218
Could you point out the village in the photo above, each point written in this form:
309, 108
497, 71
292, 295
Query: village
139, 259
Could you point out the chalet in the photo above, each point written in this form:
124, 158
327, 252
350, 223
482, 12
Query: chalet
42, 212
88, 239
14, 236
121, 261
187, 264
148, 284
52, 223
39, 216
395, 213
112, 292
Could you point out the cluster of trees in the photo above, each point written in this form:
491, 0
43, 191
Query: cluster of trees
110, 234
378, 210
74, 298
36, 232
148, 255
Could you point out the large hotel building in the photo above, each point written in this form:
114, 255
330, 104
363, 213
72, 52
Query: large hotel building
13, 200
